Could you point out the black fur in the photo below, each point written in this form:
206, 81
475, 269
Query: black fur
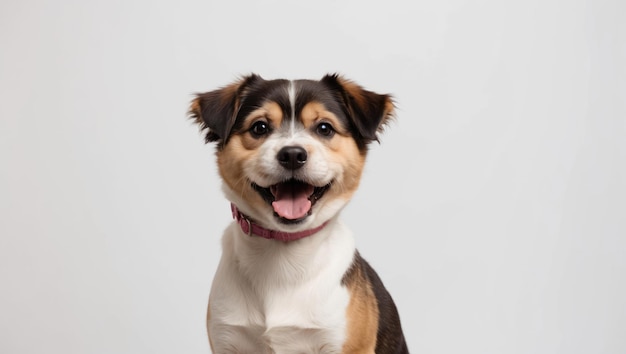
222, 111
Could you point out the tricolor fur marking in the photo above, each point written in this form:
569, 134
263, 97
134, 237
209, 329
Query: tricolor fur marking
291, 154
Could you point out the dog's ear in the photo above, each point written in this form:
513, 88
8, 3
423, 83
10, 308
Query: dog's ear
368, 111
217, 110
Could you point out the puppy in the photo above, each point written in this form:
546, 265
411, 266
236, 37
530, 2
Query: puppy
290, 154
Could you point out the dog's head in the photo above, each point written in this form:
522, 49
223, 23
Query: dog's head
291, 153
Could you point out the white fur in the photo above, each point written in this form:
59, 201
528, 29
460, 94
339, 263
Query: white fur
318, 171
292, 103
274, 297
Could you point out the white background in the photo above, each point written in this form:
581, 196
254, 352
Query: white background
494, 208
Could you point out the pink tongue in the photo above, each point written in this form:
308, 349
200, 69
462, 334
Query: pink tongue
291, 199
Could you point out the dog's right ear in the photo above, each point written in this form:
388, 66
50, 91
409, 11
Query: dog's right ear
217, 110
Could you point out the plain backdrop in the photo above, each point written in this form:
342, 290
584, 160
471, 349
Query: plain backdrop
494, 207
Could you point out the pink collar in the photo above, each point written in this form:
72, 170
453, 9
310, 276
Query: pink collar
250, 228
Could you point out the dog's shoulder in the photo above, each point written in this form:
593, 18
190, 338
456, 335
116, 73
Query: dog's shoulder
371, 312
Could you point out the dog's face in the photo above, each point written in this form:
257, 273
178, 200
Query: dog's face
291, 153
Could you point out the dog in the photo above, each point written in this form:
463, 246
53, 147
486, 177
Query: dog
290, 154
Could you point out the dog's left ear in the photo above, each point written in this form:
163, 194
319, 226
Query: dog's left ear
367, 110
217, 110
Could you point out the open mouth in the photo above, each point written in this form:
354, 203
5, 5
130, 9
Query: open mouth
292, 200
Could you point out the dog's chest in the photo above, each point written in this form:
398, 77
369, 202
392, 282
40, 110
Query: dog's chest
253, 308
300, 321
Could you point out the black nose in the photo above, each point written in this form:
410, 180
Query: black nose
292, 157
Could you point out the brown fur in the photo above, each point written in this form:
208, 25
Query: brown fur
342, 149
269, 112
362, 313
230, 161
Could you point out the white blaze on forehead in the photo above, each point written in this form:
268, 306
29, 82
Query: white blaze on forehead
292, 101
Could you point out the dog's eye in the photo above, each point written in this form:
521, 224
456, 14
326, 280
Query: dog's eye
259, 128
325, 129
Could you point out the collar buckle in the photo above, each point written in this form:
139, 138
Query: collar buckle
237, 215
249, 225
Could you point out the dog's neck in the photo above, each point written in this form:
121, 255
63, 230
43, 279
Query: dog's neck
252, 229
